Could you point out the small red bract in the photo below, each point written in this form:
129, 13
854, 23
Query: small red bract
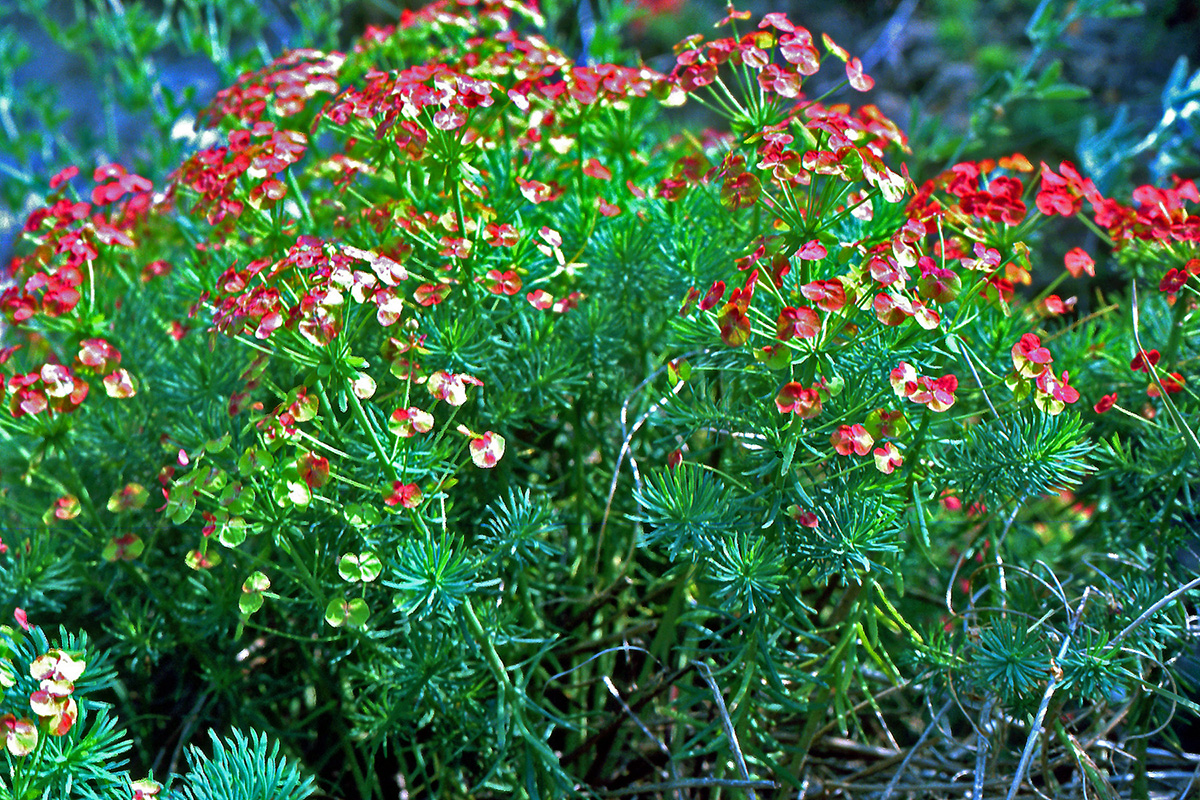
120, 385
849, 439
734, 324
450, 387
794, 398
1029, 357
313, 469
1057, 388
1078, 263
63, 176
858, 79
595, 169
540, 299
713, 296
812, 251
887, 458
408, 422
1139, 362
792, 322
430, 294
1172, 281
407, 495
487, 449
829, 294
740, 191
1171, 384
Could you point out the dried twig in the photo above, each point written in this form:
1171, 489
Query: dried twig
627, 442
886, 45
674, 774
691, 783
912, 751
727, 723
981, 749
1036, 728
1154, 609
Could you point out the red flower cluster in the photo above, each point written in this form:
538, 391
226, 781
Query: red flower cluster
1064, 193
52, 388
68, 238
794, 398
936, 394
121, 183
990, 197
733, 319
1157, 214
849, 439
1143, 361
1172, 383
405, 495
1175, 279
251, 299
259, 153
59, 389
697, 61
395, 99
57, 672
285, 85
1032, 361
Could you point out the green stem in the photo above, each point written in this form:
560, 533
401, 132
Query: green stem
360, 416
464, 264
305, 575
667, 627
1139, 718
912, 457
845, 616
81, 491
749, 677
512, 696
294, 185
578, 477
490, 655
1044, 293
1171, 351
326, 406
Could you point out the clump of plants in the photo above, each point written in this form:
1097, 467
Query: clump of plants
462, 427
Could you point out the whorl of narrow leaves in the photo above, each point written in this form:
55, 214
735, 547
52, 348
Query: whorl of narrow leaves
430, 671
93, 745
748, 571
1134, 466
850, 539
688, 510
700, 407
1011, 661
1090, 668
520, 529
1138, 594
244, 768
1022, 456
432, 575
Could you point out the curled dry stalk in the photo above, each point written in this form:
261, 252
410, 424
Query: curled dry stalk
1035, 730
627, 434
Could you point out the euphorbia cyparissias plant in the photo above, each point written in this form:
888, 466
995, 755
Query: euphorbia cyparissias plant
368, 331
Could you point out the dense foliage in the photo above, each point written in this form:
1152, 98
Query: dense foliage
460, 424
